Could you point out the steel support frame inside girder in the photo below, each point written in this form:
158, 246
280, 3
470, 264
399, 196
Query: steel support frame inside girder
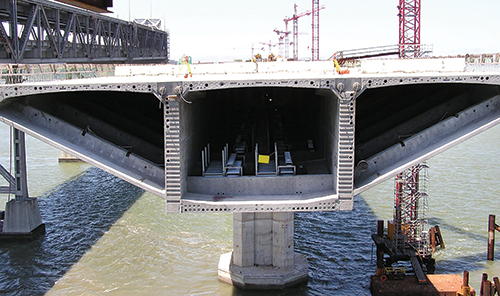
53, 32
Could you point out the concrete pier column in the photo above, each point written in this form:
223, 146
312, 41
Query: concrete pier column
22, 215
243, 234
283, 230
263, 239
263, 255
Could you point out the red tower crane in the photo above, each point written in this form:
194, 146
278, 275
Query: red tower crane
409, 28
315, 30
295, 30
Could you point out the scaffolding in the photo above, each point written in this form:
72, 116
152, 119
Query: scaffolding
411, 205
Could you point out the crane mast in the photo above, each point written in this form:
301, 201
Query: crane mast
315, 30
295, 29
409, 28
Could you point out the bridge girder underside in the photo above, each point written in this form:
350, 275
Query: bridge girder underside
35, 31
121, 128
398, 126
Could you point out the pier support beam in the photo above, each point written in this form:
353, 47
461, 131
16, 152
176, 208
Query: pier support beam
22, 218
492, 226
22, 215
263, 254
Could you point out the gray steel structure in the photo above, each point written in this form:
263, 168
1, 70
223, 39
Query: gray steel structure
378, 51
36, 31
345, 134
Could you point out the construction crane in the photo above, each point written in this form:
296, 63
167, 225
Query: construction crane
315, 30
409, 28
268, 44
295, 30
283, 35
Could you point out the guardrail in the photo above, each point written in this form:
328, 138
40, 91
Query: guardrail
11, 74
377, 51
489, 62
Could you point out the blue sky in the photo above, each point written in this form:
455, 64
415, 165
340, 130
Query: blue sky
223, 30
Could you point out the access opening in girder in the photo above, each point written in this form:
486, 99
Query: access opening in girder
243, 135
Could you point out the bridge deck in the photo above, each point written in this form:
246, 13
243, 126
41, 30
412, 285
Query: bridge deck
346, 133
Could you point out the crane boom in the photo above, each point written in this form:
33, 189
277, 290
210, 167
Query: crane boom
295, 30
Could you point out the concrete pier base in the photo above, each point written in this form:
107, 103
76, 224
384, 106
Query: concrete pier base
66, 157
22, 219
263, 257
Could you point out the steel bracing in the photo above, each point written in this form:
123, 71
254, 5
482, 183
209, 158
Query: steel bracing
35, 31
315, 30
410, 204
409, 28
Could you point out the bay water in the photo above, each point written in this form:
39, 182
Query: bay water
107, 237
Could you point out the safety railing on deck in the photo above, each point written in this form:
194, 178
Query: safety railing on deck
489, 62
378, 51
11, 74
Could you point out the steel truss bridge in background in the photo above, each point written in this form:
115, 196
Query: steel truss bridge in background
36, 31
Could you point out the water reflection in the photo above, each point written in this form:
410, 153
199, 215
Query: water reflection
339, 250
102, 238
76, 215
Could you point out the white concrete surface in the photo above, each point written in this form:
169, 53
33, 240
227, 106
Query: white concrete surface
263, 255
363, 66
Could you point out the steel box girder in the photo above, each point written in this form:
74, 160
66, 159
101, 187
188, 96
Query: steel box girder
481, 111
